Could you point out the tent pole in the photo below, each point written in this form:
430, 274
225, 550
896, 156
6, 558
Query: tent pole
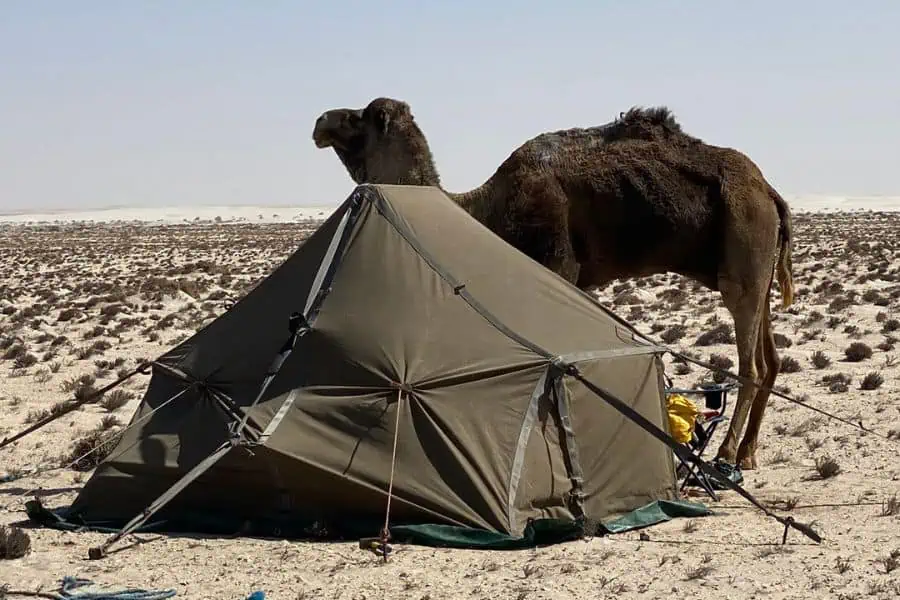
141, 368
98, 552
236, 438
684, 453
299, 324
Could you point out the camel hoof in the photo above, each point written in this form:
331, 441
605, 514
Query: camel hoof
748, 463
724, 456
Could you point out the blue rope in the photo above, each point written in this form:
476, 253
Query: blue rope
71, 583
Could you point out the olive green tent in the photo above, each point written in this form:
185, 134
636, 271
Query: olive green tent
403, 346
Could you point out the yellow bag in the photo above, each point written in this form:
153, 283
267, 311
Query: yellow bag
682, 416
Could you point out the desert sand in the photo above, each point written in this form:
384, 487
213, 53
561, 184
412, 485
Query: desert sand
84, 298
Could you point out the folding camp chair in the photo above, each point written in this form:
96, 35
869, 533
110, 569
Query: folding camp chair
715, 402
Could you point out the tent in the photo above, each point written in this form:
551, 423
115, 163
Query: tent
402, 347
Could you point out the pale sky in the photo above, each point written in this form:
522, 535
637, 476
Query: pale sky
137, 103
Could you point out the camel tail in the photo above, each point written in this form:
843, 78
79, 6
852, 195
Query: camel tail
784, 268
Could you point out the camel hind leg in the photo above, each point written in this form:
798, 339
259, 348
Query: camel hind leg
746, 455
744, 301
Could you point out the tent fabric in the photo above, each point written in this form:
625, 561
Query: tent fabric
405, 303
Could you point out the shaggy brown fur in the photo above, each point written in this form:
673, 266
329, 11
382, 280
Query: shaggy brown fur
631, 198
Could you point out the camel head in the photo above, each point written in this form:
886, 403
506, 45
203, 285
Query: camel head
341, 129
379, 143
337, 128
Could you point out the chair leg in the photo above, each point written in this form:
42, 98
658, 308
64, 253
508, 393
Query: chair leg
692, 471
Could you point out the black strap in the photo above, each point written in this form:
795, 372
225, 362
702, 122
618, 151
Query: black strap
688, 456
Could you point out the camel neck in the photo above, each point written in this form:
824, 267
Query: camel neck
476, 202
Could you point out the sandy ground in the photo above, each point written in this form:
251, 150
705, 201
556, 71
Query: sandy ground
92, 300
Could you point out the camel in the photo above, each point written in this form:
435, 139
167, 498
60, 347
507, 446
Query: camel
631, 198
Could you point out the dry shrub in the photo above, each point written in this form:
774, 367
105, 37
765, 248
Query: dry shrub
873, 297
25, 360
74, 383
720, 334
837, 383
858, 351
782, 341
673, 334
839, 304
890, 326
42, 375
115, 400
820, 360
96, 444
890, 507
789, 364
827, 467
720, 361
13, 351
626, 298
891, 561
872, 381
67, 314
14, 543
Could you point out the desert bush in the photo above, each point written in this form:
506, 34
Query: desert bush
90, 450
839, 304
67, 314
95, 332
872, 381
872, 296
827, 467
820, 360
720, 334
34, 416
673, 334
890, 507
115, 400
890, 326
682, 369
837, 383
14, 543
858, 351
25, 360
720, 361
42, 375
782, 341
14, 351
789, 364
73, 383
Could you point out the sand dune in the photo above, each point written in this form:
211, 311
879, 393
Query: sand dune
173, 215
280, 214
78, 305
